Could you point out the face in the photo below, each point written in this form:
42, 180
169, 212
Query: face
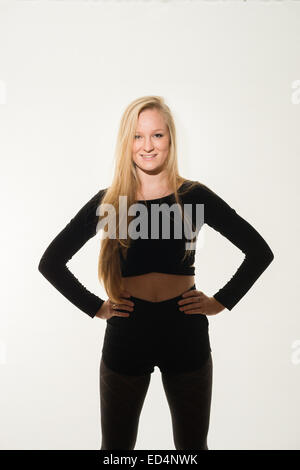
151, 139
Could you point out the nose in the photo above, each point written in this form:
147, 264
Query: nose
148, 145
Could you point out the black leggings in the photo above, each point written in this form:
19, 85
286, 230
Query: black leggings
189, 398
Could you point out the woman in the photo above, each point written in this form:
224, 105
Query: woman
155, 315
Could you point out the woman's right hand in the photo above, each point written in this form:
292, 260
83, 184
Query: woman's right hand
107, 310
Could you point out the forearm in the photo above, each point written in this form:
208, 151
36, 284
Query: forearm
71, 288
247, 274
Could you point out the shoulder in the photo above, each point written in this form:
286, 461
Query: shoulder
93, 203
89, 211
214, 203
197, 191
96, 199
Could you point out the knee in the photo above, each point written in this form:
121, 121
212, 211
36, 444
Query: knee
117, 445
188, 445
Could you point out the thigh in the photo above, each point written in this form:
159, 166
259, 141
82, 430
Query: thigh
189, 399
121, 401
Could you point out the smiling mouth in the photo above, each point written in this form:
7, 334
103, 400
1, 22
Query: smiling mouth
148, 157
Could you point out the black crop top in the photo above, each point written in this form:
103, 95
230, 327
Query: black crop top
158, 254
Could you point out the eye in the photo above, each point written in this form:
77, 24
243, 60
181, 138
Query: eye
137, 136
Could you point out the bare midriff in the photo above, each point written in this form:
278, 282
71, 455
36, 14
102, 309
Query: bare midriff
156, 287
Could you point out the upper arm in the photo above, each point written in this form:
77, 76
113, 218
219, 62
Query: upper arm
80, 228
223, 218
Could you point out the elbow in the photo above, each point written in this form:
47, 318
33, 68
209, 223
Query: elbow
42, 266
49, 266
266, 257
261, 257
269, 255
45, 266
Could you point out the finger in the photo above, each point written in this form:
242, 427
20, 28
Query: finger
190, 295
195, 308
120, 314
127, 302
191, 292
192, 312
126, 306
130, 303
191, 306
189, 300
125, 298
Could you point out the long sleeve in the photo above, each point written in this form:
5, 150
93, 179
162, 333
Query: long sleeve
68, 242
258, 255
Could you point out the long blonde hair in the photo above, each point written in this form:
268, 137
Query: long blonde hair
126, 183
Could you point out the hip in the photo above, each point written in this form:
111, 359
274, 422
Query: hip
163, 316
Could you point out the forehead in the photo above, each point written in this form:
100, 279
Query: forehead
152, 130
151, 120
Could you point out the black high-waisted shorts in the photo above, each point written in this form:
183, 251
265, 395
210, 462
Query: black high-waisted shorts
156, 334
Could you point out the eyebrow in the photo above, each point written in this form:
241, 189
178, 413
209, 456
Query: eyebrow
154, 130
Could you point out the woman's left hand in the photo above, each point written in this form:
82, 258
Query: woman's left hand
195, 301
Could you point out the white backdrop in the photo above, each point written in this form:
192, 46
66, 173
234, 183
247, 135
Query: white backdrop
230, 73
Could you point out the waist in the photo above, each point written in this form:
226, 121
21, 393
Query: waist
157, 287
